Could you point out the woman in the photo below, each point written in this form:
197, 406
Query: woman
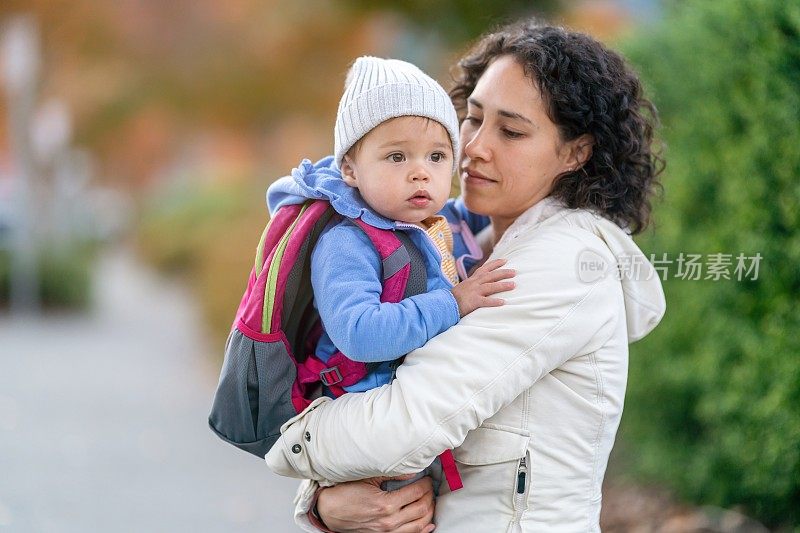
556, 141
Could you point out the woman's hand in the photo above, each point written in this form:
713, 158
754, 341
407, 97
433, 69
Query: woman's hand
362, 507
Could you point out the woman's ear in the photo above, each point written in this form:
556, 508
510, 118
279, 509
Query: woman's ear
580, 151
349, 172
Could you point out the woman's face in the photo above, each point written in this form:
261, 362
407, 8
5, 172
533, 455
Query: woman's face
512, 151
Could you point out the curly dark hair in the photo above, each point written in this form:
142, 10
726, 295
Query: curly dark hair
587, 88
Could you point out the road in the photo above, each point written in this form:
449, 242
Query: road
103, 420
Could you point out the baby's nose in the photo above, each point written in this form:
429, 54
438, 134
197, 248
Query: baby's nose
419, 174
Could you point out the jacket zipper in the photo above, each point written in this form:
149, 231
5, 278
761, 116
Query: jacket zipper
521, 489
522, 474
430, 244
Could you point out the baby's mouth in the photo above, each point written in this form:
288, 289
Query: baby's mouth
420, 198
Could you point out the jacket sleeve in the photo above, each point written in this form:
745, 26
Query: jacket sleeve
464, 375
346, 277
304, 499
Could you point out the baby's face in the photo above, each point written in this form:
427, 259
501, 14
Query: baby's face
403, 168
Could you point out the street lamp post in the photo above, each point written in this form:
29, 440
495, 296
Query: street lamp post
20, 55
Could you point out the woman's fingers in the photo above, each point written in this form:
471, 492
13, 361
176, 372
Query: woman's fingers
377, 481
362, 507
356, 506
411, 493
412, 519
415, 516
417, 526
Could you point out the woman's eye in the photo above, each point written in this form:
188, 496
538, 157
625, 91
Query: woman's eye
511, 134
396, 157
438, 157
475, 121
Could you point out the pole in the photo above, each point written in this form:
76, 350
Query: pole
21, 62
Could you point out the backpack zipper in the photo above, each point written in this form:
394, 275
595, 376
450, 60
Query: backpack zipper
272, 273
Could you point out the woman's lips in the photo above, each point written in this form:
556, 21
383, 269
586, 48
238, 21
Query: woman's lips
470, 177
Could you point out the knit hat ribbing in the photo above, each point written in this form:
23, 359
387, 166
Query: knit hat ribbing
381, 89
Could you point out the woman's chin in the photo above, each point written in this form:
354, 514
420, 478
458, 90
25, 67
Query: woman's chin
478, 203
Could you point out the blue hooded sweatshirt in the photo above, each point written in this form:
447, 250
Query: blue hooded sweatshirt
346, 274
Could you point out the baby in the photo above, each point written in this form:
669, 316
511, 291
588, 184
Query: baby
396, 142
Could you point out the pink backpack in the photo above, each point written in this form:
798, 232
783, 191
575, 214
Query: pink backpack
270, 372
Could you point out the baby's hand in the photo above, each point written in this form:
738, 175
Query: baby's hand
474, 292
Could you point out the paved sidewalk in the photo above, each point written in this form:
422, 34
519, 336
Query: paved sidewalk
103, 421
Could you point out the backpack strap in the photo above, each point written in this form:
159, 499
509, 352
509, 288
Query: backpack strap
399, 259
418, 276
250, 312
403, 274
313, 215
281, 243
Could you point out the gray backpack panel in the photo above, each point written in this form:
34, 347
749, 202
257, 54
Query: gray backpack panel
251, 404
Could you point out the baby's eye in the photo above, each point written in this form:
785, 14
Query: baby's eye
396, 157
438, 157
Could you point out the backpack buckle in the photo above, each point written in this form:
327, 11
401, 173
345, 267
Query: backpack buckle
330, 376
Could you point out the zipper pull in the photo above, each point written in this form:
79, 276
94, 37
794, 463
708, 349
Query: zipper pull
521, 475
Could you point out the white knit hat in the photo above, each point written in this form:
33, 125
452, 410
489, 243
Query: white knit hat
380, 89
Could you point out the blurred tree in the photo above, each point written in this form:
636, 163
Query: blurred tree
144, 77
714, 397
460, 20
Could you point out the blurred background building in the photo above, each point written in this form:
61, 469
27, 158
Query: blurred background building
137, 139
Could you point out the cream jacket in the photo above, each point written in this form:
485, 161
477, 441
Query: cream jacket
529, 394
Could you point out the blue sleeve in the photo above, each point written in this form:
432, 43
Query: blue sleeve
455, 208
346, 278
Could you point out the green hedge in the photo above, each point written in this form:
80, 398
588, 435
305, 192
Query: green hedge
175, 228
208, 236
65, 277
713, 406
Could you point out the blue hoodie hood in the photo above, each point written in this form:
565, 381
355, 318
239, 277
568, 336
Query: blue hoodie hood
323, 180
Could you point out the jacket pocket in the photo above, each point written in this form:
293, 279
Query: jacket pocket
521, 485
491, 443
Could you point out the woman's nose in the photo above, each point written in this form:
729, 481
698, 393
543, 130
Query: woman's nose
475, 144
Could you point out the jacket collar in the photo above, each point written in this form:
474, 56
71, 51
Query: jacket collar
543, 210
641, 285
323, 180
